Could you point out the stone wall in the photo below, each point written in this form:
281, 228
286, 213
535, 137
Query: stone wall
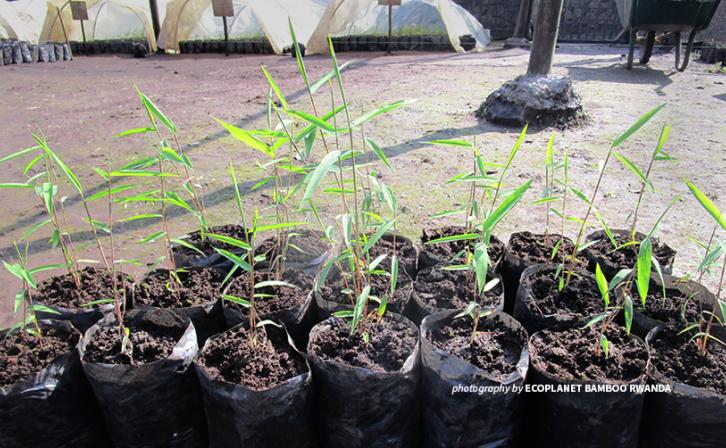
498, 16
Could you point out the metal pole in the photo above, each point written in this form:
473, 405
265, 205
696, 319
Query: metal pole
83, 32
226, 36
154, 8
390, 27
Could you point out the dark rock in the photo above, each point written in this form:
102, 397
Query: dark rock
534, 99
467, 42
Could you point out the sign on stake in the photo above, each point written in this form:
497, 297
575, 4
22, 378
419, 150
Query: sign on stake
224, 9
79, 11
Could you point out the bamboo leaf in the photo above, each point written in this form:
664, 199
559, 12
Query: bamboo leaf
359, 307
247, 138
645, 255
15, 185
378, 235
550, 146
381, 110
171, 155
451, 142
319, 173
450, 238
481, 265
142, 216
133, 132
602, 285
507, 204
636, 126
708, 205
269, 283
632, 167
105, 193
628, 311
378, 152
312, 119
275, 88
605, 344
155, 111
188, 245
229, 240
517, 145
72, 178
151, 238
239, 262
20, 153
328, 76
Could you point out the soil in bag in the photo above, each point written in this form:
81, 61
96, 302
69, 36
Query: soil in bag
45, 399
437, 289
432, 254
693, 412
684, 303
600, 418
203, 253
283, 304
366, 385
193, 293
148, 395
334, 294
540, 303
306, 251
452, 360
613, 258
526, 249
77, 304
255, 395
404, 249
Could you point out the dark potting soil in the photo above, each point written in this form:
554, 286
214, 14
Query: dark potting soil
578, 299
441, 288
626, 257
232, 358
145, 345
536, 249
447, 251
679, 359
96, 284
198, 286
282, 297
389, 344
494, 348
22, 354
207, 245
380, 285
303, 247
676, 307
574, 354
404, 249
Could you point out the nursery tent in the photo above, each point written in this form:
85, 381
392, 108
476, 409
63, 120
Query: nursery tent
361, 17
263, 19
23, 19
107, 19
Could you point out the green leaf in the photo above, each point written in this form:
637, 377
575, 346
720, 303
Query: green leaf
628, 311
636, 126
229, 240
20, 272
15, 185
176, 200
328, 76
708, 205
171, 155
275, 88
605, 344
481, 265
97, 302
20, 153
151, 238
106, 192
142, 216
32, 163
238, 300
247, 138
550, 146
381, 110
507, 204
282, 225
35, 228
358, 309
269, 283
451, 142
645, 255
239, 262
517, 145
618, 278
133, 132
602, 285
155, 111
298, 57
394, 275
450, 238
312, 119
632, 167
44, 309
378, 235
72, 178
319, 173
378, 152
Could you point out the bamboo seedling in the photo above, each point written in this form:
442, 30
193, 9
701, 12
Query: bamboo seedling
591, 201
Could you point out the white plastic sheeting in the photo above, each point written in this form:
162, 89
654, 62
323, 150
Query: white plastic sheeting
194, 19
107, 19
360, 17
23, 19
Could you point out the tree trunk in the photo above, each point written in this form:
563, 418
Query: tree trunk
154, 9
546, 31
520, 29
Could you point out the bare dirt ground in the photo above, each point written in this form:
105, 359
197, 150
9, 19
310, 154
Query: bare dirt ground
80, 105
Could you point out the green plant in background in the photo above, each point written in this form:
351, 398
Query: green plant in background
703, 329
